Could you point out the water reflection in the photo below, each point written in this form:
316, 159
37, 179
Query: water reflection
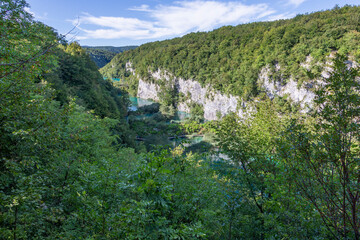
137, 102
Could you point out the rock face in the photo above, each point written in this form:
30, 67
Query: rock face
301, 95
148, 90
214, 103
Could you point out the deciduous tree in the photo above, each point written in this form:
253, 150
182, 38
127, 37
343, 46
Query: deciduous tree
324, 158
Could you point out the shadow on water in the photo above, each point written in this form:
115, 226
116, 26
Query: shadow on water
154, 129
137, 103
144, 105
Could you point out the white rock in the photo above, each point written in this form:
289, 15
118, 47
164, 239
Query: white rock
148, 90
215, 103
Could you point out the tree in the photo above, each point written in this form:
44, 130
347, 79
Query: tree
196, 112
323, 158
262, 203
24, 46
250, 143
19, 34
44, 147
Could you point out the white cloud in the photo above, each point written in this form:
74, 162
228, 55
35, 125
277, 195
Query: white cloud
174, 20
142, 8
29, 11
286, 15
295, 2
205, 15
36, 15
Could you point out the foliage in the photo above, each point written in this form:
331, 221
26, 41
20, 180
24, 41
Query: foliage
175, 197
103, 55
326, 154
168, 98
249, 142
190, 127
77, 76
45, 146
258, 183
65, 174
110, 48
149, 109
196, 112
231, 58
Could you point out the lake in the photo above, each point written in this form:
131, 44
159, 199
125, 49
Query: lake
180, 116
137, 102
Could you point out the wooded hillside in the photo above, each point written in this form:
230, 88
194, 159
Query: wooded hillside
103, 54
70, 169
230, 58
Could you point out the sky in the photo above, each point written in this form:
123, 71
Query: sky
135, 22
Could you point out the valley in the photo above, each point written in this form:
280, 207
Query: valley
242, 132
152, 128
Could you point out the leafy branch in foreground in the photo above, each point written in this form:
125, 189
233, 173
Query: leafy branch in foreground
324, 159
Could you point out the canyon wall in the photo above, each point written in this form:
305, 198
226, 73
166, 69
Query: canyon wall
216, 104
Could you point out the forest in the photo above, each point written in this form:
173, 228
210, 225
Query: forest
229, 59
70, 167
102, 55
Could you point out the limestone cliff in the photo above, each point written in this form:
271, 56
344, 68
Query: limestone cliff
302, 94
216, 104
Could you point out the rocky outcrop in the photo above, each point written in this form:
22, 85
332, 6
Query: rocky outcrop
302, 94
148, 90
216, 104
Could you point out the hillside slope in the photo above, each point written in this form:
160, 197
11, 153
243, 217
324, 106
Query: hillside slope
102, 55
77, 76
230, 59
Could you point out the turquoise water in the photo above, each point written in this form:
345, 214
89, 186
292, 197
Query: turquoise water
196, 139
139, 102
114, 79
180, 116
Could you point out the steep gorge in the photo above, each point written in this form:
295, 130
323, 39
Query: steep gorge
216, 104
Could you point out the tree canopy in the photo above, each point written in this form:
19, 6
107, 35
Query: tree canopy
231, 58
67, 170
103, 55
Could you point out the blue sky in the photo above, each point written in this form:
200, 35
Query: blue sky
134, 22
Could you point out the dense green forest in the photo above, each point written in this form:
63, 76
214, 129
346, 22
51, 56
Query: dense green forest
69, 170
230, 58
102, 55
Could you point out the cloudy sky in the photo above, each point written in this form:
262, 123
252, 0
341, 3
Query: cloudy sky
134, 22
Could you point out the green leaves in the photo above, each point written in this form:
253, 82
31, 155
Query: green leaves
323, 156
230, 59
262, 201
